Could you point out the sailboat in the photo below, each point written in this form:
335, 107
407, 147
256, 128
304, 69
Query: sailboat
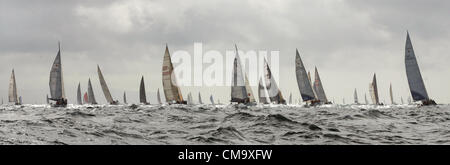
200, 98
240, 89
91, 97
318, 88
171, 90
401, 99
56, 82
211, 99
415, 81
124, 98
189, 99
304, 84
365, 99
20, 100
262, 93
355, 96
290, 98
312, 85
105, 89
13, 90
142, 95
274, 92
158, 97
79, 95
86, 98
48, 102
391, 94
373, 89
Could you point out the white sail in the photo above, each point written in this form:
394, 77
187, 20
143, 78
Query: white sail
401, 99
91, 97
318, 88
304, 85
171, 90
365, 99
355, 96
200, 98
158, 97
124, 98
373, 89
13, 89
189, 99
105, 89
238, 85
415, 81
79, 95
391, 94
274, 92
211, 99
56, 78
290, 98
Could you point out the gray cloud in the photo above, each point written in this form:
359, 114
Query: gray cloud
347, 40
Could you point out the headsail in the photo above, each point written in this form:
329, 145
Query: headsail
13, 89
56, 78
159, 97
124, 98
415, 81
374, 90
304, 85
355, 96
105, 89
171, 90
142, 95
250, 95
91, 96
79, 95
274, 92
238, 84
318, 88
200, 98
390, 94
262, 93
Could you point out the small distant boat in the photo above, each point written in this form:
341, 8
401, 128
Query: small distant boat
409, 100
86, 98
124, 98
13, 90
262, 93
56, 82
274, 92
391, 94
105, 88
171, 90
20, 100
142, 95
79, 95
48, 102
365, 99
158, 97
290, 98
240, 90
211, 99
355, 96
303, 82
200, 98
318, 88
91, 97
415, 81
189, 99
401, 99
373, 89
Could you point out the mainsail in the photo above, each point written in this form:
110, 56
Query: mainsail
390, 94
13, 89
355, 96
365, 99
91, 97
124, 98
159, 97
373, 89
318, 88
304, 85
142, 95
56, 82
171, 90
105, 89
200, 98
262, 93
415, 81
238, 84
79, 95
274, 92
290, 98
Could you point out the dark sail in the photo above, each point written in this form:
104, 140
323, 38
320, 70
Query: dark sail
142, 96
415, 81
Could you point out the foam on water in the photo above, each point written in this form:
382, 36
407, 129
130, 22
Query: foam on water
224, 124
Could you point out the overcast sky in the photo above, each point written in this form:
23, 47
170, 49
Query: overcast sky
348, 40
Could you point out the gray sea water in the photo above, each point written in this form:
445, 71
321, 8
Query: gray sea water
225, 124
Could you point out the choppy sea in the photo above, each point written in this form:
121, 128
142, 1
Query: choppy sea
225, 124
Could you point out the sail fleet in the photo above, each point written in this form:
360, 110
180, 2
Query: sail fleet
311, 92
